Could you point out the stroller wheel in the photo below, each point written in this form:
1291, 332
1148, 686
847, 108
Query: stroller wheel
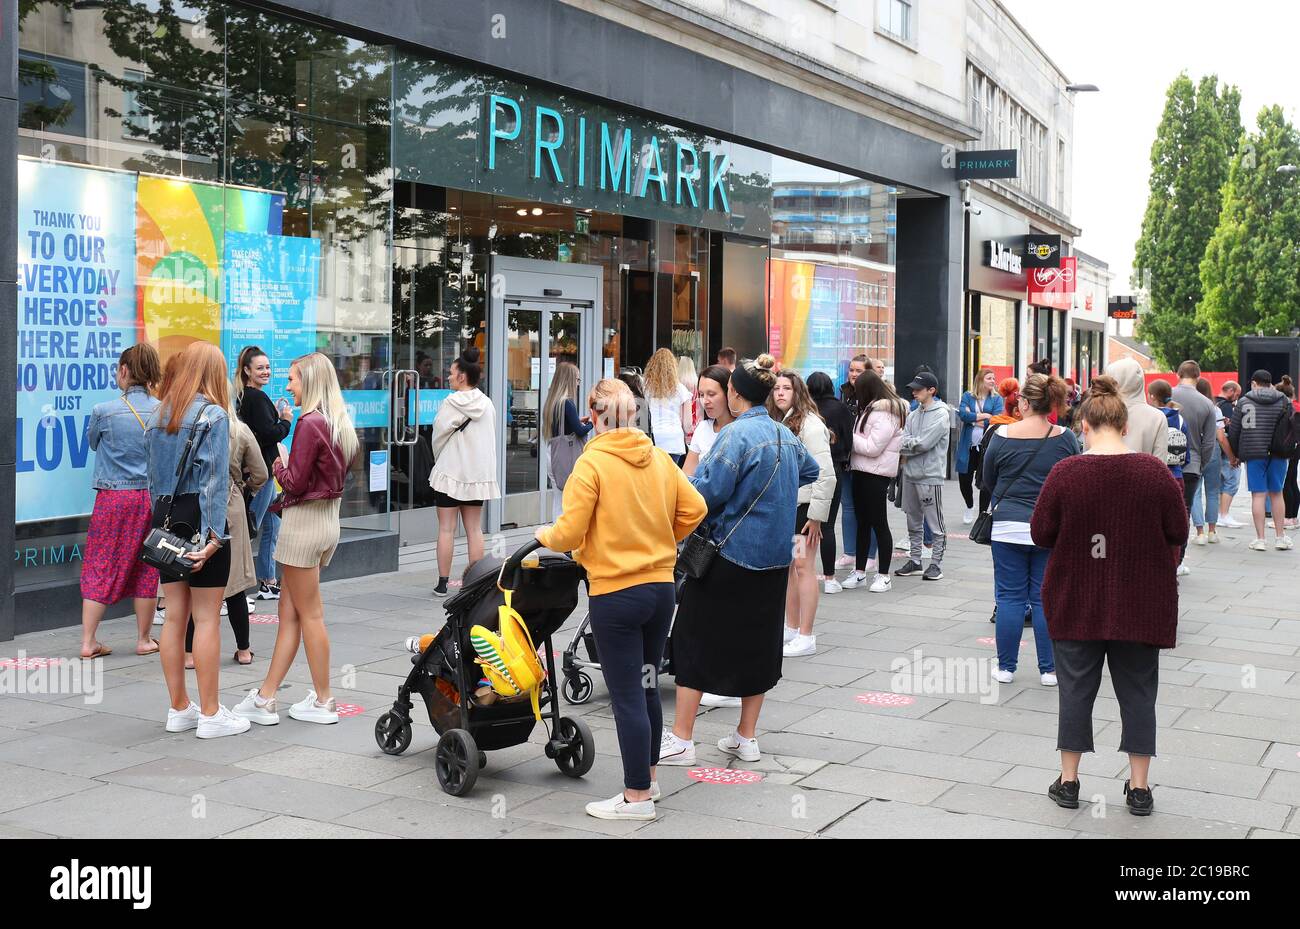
452, 762
392, 734
579, 752
577, 688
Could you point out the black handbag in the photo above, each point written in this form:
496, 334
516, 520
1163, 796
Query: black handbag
982, 529
167, 543
698, 551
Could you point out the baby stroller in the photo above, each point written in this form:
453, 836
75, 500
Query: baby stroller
544, 592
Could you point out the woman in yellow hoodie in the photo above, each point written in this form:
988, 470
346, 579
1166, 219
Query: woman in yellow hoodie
626, 506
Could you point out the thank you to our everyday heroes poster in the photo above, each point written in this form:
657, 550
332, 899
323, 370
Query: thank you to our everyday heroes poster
76, 314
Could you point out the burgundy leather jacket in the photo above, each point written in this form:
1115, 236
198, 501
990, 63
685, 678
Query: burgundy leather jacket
316, 467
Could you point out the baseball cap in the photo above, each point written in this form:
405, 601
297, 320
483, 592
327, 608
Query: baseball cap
1262, 376
924, 379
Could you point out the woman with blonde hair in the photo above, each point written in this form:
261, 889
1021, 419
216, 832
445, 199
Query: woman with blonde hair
313, 475
560, 420
669, 404
626, 506
189, 482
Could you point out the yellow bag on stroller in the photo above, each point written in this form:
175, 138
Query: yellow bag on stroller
509, 657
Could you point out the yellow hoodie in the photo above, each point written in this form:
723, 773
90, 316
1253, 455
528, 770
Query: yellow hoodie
626, 506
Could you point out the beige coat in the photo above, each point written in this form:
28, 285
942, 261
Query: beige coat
244, 456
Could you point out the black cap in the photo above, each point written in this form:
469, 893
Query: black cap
924, 379
1262, 376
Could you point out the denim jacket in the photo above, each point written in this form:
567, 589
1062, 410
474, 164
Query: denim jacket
733, 474
118, 440
208, 471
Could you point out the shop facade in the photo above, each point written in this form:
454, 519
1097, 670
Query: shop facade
314, 179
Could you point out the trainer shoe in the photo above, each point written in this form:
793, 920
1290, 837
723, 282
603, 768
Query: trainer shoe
790, 633
221, 723
854, 580
307, 710
1048, 679
1065, 793
441, 589
1138, 799
845, 561
267, 592
1259, 545
1183, 571
1284, 544
256, 710
1200, 538
969, 516
620, 807
159, 616
674, 752
655, 794
908, 569
832, 586
1227, 522
933, 573
1212, 538
881, 584
183, 720
225, 610
801, 646
718, 700
1003, 677
739, 746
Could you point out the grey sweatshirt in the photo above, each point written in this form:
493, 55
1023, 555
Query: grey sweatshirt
926, 434
1199, 414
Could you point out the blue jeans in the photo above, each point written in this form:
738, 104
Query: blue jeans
1205, 505
1230, 478
1018, 582
264, 559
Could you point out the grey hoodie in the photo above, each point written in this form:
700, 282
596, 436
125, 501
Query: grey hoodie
926, 434
1148, 431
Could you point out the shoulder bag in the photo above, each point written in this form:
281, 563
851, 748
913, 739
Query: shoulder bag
167, 544
982, 530
699, 550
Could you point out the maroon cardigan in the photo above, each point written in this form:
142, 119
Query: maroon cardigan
1129, 508
316, 467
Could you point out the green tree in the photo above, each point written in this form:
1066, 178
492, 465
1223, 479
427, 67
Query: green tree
1251, 270
1197, 136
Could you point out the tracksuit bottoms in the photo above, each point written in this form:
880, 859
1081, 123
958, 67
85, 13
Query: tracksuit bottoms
923, 506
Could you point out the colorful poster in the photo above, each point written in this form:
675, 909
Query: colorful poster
76, 314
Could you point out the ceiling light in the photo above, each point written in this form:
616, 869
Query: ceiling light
522, 212
537, 211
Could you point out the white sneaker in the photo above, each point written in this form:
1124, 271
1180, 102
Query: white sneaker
1049, 679
719, 700
1183, 571
800, 646
790, 634
619, 807
252, 604
263, 713
183, 720
307, 710
1200, 538
1003, 677
854, 580
739, 746
1229, 523
655, 794
1259, 545
225, 610
221, 723
1212, 538
881, 584
1284, 544
674, 752
844, 561
832, 586
969, 516
159, 616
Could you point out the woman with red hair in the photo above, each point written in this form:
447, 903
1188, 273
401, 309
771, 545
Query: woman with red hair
1010, 391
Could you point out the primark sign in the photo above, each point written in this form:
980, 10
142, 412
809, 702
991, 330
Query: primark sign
1001, 257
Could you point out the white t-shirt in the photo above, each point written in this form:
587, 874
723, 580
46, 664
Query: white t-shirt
705, 436
1016, 533
666, 421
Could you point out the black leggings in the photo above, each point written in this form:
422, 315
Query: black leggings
870, 492
829, 548
967, 479
1290, 492
237, 613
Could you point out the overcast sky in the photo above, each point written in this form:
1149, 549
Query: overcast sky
1132, 49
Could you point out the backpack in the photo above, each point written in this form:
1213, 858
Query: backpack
1176, 453
1286, 434
509, 658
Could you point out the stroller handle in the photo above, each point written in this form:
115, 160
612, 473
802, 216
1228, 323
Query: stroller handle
510, 570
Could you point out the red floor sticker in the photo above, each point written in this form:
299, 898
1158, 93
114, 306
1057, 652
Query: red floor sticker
724, 776
28, 663
883, 698
348, 709
989, 640
264, 619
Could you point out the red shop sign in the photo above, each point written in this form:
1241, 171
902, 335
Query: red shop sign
1053, 287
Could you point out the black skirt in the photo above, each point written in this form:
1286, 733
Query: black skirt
216, 570
727, 638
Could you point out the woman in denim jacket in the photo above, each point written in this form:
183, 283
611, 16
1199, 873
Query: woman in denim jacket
111, 568
195, 397
728, 635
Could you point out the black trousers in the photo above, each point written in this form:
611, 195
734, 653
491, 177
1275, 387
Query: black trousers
843, 484
237, 613
1291, 492
1190, 483
967, 479
1135, 675
870, 502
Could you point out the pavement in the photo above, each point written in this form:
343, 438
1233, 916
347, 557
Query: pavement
844, 754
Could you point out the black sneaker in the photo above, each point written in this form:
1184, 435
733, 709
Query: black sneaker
1065, 793
267, 592
933, 573
1139, 800
908, 569
994, 617
441, 589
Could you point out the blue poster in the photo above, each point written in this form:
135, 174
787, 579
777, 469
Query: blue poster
76, 314
270, 301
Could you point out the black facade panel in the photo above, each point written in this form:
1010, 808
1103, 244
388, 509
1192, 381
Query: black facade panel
927, 329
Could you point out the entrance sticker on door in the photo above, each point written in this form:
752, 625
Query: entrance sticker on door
378, 471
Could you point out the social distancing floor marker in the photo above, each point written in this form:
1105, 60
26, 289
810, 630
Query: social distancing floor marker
28, 663
264, 619
348, 709
884, 698
724, 776
989, 640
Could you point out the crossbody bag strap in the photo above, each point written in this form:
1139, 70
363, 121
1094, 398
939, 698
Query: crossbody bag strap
190, 446
754, 503
1032, 458
134, 413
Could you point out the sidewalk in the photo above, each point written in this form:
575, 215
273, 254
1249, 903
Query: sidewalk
842, 756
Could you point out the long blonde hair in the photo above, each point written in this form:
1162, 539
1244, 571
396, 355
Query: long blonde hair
661, 375
686, 373
564, 386
321, 394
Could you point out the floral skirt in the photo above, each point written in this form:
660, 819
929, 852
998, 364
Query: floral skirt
111, 569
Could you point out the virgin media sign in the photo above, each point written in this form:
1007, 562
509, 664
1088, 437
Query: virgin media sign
1053, 287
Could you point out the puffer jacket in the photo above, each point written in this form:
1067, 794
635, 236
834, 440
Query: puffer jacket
1251, 431
816, 438
877, 440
